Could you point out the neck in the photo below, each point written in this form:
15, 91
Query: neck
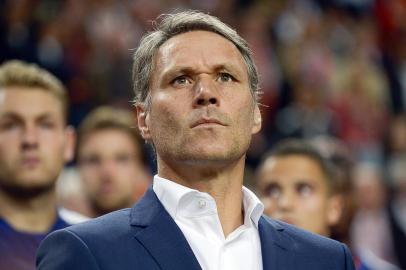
33, 215
223, 183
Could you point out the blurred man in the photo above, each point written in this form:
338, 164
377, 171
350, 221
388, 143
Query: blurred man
196, 90
297, 186
308, 184
35, 142
371, 231
111, 160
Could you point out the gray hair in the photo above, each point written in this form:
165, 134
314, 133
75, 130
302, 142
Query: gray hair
170, 25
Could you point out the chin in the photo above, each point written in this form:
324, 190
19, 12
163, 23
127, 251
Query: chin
205, 156
217, 151
103, 208
24, 190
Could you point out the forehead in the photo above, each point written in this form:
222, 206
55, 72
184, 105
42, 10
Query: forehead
199, 49
292, 168
109, 139
29, 102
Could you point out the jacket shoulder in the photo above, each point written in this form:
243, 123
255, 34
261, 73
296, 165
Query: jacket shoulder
299, 237
106, 242
309, 250
113, 222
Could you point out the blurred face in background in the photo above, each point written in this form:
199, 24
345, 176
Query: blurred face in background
294, 190
369, 189
34, 140
111, 168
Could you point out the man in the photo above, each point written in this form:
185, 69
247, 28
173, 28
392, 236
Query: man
313, 196
111, 160
298, 186
35, 142
196, 99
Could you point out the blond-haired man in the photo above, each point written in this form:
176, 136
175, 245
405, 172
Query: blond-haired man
35, 143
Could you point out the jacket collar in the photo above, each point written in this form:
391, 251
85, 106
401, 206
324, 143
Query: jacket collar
276, 245
160, 235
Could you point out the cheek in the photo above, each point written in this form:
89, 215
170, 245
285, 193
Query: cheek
274, 208
245, 114
163, 118
89, 173
268, 205
91, 182
125, 172
9, 145
90, 176
54, 144
314, 205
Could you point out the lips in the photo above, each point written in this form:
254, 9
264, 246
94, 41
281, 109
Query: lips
207, 122
30, 161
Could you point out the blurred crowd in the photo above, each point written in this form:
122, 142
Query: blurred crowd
331, 72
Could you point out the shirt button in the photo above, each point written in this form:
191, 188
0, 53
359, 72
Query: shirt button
202, 204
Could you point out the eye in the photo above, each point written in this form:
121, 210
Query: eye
47, 124
273, 191
225, 77
123, 158
8, 125
304, 190
91, 160
180, 81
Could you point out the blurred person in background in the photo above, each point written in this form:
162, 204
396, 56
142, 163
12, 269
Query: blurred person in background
35, 143
340, 156
307, 183
297, 186
372, 231
396, 171
111, 160
396, 137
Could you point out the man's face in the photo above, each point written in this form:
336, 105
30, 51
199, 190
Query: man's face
34, 141
294, 190
111, 169
201, 109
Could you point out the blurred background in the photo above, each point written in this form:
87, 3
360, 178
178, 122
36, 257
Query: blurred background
328, 69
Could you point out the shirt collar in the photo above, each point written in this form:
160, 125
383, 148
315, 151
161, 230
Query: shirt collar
253, 207
171, 194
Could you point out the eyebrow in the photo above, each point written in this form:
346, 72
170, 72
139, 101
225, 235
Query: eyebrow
191, 70
272, 183
18, 117
10, 115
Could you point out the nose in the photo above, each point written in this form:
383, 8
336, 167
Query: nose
30, 138
286, 202
107, 168
206, 93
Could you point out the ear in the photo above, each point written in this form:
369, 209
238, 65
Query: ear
257, 120
70, 141
143, 122
335, 205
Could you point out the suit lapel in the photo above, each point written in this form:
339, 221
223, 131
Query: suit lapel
275, 246
160, 235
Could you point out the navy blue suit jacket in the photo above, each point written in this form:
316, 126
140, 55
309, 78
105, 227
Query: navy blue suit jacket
146, 237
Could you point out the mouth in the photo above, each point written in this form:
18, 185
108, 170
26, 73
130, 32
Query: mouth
207, 122
30, 162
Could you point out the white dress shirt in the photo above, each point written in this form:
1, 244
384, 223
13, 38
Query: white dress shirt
196, 215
